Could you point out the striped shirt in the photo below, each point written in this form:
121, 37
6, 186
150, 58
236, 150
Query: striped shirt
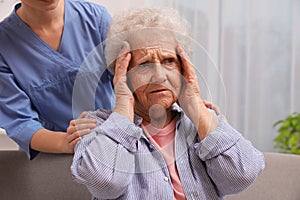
117, 161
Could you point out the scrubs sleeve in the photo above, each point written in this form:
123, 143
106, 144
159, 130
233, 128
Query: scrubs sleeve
18, 117
105, 21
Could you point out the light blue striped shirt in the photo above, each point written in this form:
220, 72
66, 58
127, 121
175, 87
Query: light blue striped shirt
117, 161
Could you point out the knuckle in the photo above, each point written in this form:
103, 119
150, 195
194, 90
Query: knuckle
69, 129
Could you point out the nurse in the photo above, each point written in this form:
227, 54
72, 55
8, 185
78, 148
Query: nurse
43, 84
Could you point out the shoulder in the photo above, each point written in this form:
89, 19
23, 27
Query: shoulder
8, 21
88, 14
100, 115
9, 26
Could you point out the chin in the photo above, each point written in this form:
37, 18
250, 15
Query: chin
157, 112
161, 107
49, 4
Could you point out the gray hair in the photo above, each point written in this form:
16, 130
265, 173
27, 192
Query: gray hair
125, 25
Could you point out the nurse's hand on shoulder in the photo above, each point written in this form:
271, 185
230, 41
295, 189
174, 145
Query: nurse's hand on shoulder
77, 128
49, 141
62, 142
210, 105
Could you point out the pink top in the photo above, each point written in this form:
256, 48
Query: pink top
163, 139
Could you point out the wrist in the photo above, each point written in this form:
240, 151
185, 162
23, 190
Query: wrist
207, 123
125, 108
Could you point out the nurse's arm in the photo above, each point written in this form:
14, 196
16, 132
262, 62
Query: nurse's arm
62, 142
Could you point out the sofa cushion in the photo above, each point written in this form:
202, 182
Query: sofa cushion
46, 177
279, 181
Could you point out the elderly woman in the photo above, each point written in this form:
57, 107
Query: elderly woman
160, 141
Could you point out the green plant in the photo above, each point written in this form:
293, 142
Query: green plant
288, 140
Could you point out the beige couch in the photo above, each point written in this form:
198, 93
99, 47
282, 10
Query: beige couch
48, 177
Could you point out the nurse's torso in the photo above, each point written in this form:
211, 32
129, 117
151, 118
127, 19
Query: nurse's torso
62, 84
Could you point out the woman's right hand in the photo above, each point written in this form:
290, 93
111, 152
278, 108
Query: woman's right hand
124, 97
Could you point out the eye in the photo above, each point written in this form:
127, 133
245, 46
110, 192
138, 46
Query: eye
144, 64
169, 61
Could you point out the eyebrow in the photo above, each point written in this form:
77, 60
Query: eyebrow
163, 53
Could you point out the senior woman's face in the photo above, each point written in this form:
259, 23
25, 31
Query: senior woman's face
154, 77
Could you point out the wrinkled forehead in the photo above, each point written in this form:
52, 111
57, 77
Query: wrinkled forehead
150, 38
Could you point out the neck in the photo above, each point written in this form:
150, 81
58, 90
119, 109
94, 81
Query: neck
42, 18
162, 121
157, 116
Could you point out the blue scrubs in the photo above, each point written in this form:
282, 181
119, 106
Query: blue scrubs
44, 88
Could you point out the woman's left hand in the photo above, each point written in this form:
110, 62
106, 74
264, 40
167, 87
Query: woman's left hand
190, 100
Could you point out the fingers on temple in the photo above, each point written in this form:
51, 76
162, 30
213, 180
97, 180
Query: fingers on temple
121, 66
188, 68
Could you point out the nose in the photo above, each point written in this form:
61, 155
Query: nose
158, 74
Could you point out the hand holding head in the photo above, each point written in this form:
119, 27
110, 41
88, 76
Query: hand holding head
124, 97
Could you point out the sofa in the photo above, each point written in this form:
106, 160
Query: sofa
48, 177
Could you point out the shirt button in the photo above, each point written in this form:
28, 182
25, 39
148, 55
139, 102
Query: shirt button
166, 179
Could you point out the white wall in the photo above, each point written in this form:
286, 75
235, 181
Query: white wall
6, 143
6, 7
